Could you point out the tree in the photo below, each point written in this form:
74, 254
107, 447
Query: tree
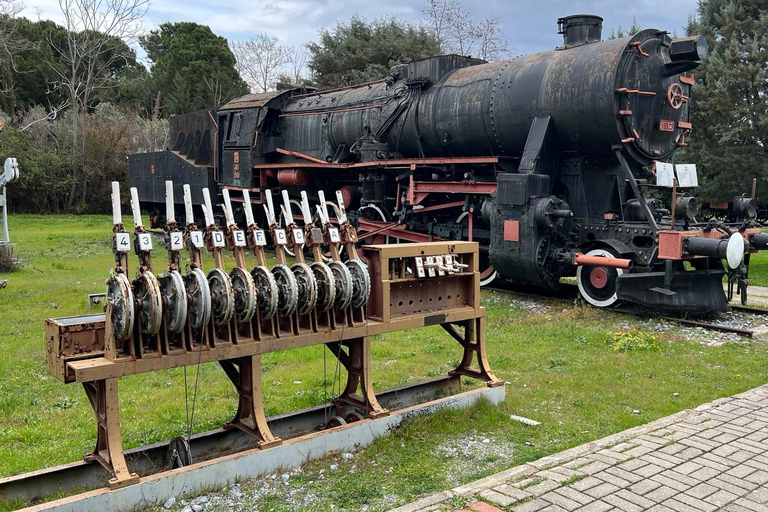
457, 30
729, 140
360, 51
259, 60
192, 68
619, 33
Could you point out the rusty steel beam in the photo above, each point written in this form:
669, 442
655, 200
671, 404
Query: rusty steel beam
387, 163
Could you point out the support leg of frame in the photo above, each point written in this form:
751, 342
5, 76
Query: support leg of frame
358, 365
472, 341
245, 374
109, 446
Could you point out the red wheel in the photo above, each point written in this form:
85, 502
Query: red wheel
675, 96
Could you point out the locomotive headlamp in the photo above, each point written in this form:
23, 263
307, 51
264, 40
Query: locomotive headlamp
693, 48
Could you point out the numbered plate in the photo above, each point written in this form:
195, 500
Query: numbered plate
218, 239
145, 242
439, 262
197, 239
280, 238
177, 241
239, 238
430, 266
259, 238
334, 235
123, 242
298, 236
420, 267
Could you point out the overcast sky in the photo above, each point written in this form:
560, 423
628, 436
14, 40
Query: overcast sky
530, 25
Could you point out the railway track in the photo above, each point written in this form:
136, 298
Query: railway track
569, 292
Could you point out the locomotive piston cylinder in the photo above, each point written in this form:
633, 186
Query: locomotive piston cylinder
759, 241
730, 249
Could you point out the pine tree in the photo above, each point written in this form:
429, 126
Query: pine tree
730, 111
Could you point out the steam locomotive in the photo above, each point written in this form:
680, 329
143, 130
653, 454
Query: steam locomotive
546, 160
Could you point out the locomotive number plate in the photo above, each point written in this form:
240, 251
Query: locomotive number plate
123, 242
280, 238
239, 238
259, 238
666, 126
218, 239
298, 236
145, 242
197, 239
177, 241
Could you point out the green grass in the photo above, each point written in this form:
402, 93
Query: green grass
561, 370
758, 269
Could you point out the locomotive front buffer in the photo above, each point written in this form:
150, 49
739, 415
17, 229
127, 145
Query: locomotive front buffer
187, 317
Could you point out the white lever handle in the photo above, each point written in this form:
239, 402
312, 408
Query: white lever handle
342, 211
305, 210
270, 208
208, 208
287, 209
170, 209
136, 207
323, 215
247, 206
117, 214
228, 208
188, 205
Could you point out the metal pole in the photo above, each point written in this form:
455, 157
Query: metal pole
6, 238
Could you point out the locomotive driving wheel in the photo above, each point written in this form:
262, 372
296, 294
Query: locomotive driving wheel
287, 290
361, 282
198, 297
597, 284
343, 284
307, 287
120, 295
222, 296
147, 292
245, 294
175, 301
266, 292
326, 285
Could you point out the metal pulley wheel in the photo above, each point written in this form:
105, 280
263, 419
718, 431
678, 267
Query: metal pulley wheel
222, 296
179, 453
307, 287
175, 301
326, 285
199, 298
147, 292
120, 296
361, 283
245, 294
343, 281
266, 292
287, 290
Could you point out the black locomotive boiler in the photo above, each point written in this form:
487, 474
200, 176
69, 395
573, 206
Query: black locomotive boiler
545, 159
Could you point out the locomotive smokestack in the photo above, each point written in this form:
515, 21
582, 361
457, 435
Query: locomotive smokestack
578, 29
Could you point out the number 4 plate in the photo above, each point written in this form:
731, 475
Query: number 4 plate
123, 242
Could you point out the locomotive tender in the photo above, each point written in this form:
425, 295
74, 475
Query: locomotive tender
545, 159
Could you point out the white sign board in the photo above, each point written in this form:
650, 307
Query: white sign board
686, 175
197, 239
123, 242
259, 238
239, 237
177, 241
665, 174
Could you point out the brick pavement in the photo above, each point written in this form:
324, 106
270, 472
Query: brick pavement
714, 457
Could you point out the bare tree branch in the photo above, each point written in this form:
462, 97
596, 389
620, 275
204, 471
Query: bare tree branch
259, 60
454, 25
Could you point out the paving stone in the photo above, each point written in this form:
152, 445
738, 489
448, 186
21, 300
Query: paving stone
622, 504
756, 464
683, 479
623, 474
704, 474
758, 477
670, 482
731, 484
635, 498
644, 487
745, 504
542, 487
688, 467
741, 470
596, 506
758, 495
724, 460
553, 508
660, 508
586, 483
662, 494
696, 503
594, 467
652, 458
497, 497
512, 492
649, 470
704, 461
561, 501
679, 506
699, 442
632, 465
701, 491
604, 489
721, 498
689, 453
557, 476
532, 506
639, 450
612, 479
750, 446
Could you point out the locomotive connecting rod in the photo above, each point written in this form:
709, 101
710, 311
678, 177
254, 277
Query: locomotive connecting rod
580, 259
